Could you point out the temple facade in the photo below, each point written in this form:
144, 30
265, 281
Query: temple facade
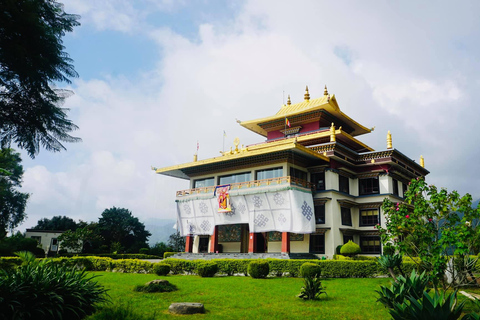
308, 188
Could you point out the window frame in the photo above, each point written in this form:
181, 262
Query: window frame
370, 189
203, 180
249, 173
319, 213
343, 184
276, 169
318, 183
371, 238
363, 223
313, 244
344, 215
395, 187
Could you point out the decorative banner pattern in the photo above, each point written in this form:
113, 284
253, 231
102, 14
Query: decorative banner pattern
283, 211
223, 198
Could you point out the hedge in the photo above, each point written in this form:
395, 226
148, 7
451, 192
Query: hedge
112, 255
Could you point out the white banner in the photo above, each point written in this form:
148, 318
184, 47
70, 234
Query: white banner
283, 211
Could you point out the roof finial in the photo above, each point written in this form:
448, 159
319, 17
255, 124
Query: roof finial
289, 102
332, 133
422, 161
307, 95
325, 92
389, 140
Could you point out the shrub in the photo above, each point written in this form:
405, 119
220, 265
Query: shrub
312, 289
47, 291
413, 286
156, 286
206, 269
168, 254
338, 248
310, 270
258, 269
144, 250
350, 249
161, 269
388, 250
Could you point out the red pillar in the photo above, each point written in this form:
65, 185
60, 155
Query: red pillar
285, 242
188, 243
214, 240
252, 242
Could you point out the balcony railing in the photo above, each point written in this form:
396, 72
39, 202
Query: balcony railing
251, 184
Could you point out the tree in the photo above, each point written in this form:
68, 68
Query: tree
159, 249
119, 226
12, 201
32, 59
61, 223
77, 240
438, 227
176, 242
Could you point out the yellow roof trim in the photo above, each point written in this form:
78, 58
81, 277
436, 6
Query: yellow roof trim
328, 103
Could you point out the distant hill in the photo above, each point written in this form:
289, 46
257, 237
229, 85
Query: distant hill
475, 203
160, 229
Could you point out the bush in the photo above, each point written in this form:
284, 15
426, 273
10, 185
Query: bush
388, 250
206, 269
144, 251
113, 255
413, 286
168, 254
258, 269
47, 291
350, 249
161, 269
338, 248
312, 289
156, 286
310, 270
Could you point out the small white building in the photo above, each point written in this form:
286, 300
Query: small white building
47, 239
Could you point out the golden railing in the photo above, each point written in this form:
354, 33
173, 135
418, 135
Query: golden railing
251, 184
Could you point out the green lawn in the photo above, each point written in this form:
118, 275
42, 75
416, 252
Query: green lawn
247, 298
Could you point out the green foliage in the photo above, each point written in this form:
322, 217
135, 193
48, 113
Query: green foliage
310, 270
312, 289
47, 291
350, 249
18, 242
388, 250
338, 248
119, 312
440, 225
206, 269
428, 308
114, 256
60, 223
144, 250
161, 269
168, 254
12, 201
258, 269
180, 266
156, 286
119, 228
32, 59
176, 242
159, 249
412, 286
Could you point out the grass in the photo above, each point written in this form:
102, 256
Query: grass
245, 298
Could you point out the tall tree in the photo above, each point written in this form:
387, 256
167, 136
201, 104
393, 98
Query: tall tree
32, 59
61, 223
176, 242
119, 226
12, 201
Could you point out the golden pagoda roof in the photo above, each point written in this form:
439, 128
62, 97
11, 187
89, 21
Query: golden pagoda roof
327, 103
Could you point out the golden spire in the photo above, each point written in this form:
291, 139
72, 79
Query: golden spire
195, 157
307, 95
422, 161
332, 133
289, 102
389, 140
325, 92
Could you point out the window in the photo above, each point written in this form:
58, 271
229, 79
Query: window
369, 217
207, 182
235, 178
346, 216
370, 244
318, 179
317, 243
395, 187
405, 188
320, 213
343, 183
269, 173
299, 174
347, 238
38, 238
368, 186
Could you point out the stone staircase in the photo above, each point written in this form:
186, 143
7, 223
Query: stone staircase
209, 256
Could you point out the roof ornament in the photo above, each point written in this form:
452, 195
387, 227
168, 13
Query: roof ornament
325, 92
422, 161
332, 133
306, 95
389, 140
289, 102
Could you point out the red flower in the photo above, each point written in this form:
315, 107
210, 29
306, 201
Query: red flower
407, 216
430, 219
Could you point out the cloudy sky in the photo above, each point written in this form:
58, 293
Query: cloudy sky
156, 76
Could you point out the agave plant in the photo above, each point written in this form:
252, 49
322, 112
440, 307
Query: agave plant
389, 262
413, 286
312, 289
438, 307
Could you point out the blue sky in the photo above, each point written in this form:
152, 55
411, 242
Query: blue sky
156, 76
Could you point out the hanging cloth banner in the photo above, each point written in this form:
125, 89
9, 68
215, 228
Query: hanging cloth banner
223, 198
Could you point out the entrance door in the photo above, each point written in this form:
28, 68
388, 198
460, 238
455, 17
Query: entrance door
261, 246
244, 239
203, 244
